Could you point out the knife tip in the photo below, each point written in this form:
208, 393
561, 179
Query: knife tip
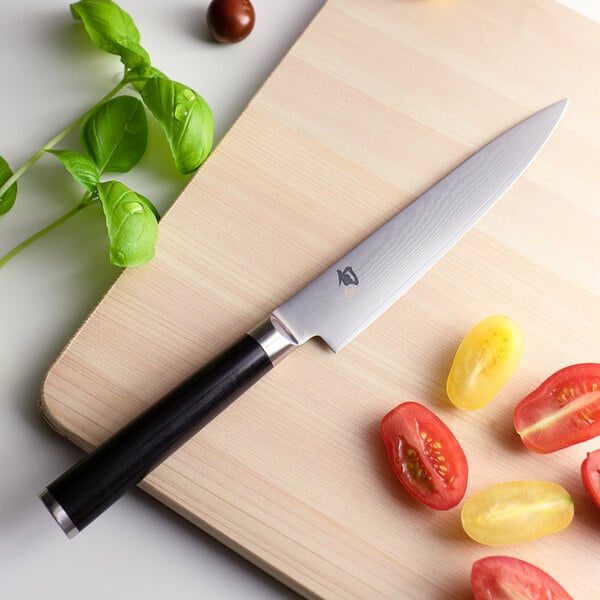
563, 103
555, 111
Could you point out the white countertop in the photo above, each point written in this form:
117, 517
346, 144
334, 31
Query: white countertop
50, 74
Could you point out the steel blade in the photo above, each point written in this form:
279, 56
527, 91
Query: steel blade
353, 292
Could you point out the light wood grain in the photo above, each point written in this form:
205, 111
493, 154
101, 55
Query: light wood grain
375, 102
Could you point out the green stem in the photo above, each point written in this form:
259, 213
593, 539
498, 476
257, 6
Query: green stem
57, 138
85, 202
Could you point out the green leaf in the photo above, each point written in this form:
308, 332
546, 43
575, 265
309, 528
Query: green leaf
140, 76
185, 118
8, 198
133, 56
108, 25
131, 222
115, 136
81, 168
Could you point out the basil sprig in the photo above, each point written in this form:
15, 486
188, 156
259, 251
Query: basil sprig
114, 137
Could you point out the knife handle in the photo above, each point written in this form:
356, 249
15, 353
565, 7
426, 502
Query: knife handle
97, 481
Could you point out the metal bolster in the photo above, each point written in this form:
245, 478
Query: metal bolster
273, 339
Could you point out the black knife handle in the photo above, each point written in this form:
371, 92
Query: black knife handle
97, 481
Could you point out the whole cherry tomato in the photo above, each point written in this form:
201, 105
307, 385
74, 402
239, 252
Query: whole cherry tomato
230, 21
562, 411
508, 578
425, 456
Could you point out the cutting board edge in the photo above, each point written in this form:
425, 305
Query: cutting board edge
287, 580
48, 403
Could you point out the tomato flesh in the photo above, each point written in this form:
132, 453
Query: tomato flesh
590, 475
507, 578
485, 360
516, 511
425, 456
564, 410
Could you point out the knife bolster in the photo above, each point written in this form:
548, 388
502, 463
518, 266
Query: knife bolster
273, 339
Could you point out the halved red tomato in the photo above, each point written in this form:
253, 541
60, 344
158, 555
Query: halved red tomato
425, 456
590, 474
507, 578
564, 410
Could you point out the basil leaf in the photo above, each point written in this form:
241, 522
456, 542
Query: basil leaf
114, 137
133, 56
81, 168
185, 118
131, 222
140, 76
108, 25
8, 198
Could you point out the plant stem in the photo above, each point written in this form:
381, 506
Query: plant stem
57, 138
36, 236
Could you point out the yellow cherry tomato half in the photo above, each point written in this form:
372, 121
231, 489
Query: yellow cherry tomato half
485, 360
516, 511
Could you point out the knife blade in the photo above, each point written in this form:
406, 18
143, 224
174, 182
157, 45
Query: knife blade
336, 306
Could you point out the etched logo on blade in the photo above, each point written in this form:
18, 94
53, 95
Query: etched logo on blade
347, 277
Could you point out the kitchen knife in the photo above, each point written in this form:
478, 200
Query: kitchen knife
335, 306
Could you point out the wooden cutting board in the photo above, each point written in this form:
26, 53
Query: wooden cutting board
375, 102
